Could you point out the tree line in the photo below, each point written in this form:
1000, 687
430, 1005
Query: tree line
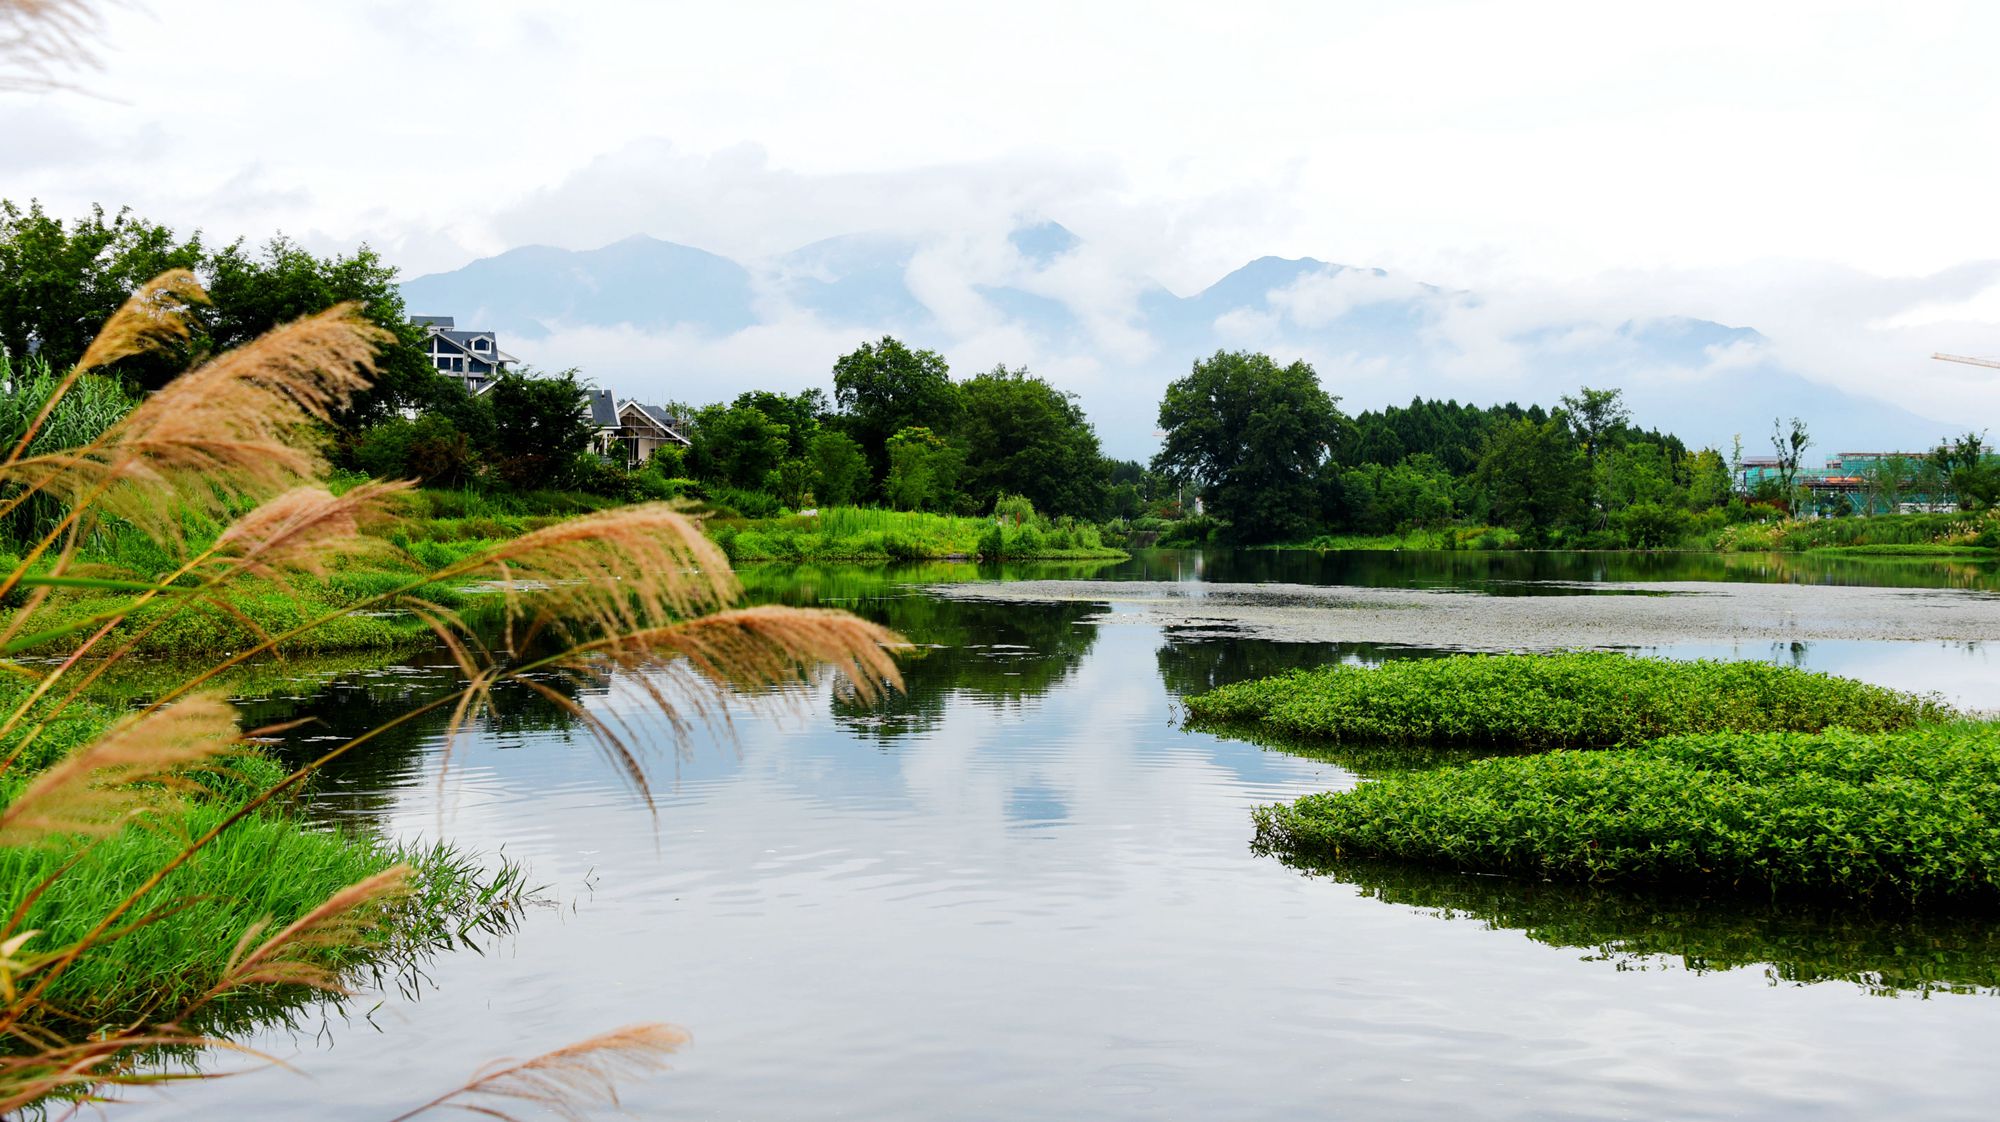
1262, 448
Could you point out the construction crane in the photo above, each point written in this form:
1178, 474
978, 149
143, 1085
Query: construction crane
1969, 360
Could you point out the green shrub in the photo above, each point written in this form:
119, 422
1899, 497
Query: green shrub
992, 544
1554, 701
1014, 508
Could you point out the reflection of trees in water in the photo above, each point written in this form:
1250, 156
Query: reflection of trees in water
998, 654
1505, 573
359, 787
1792, 943
1195, 660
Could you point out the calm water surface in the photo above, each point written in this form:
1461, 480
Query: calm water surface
1022, 892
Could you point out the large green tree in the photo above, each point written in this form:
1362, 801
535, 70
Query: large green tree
255, 292
1534, 477
1023, 436
737, 445
60, 281
540, 427
885, 387
1253, 434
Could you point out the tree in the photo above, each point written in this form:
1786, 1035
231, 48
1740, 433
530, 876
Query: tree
254, 293
1790, 446
800, 413
59, 284
1253, 434
1709, 481
1593, 414
1022, 436
737, 445
1888, 479
839, 469
883, 388
1967, 469
540, 427
1534, 477
429, 449
923, 469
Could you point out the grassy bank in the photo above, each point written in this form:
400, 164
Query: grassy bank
862, 535
1890, 534
1552, 701
195, 918
1900, 817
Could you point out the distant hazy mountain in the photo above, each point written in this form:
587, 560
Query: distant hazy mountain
640, 281
693, 326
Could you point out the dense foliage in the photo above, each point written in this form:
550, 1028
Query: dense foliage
1254, 435
1581, 700
1903, 817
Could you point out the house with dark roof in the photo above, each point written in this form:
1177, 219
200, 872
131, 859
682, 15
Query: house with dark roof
474, 358
632, 431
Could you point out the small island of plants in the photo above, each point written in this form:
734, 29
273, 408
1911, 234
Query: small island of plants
1723, 777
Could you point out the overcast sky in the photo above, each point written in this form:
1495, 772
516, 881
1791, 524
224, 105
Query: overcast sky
1822, 171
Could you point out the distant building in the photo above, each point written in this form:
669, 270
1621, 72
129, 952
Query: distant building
1850, 482
474, 358
631, 431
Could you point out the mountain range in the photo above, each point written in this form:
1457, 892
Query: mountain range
662, 321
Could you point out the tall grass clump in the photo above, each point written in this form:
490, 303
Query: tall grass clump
152, 874
1576, 700
1901, 818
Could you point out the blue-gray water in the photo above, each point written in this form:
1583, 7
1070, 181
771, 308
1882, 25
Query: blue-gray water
1024, 892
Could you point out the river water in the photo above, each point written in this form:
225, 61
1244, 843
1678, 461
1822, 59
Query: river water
1022, 891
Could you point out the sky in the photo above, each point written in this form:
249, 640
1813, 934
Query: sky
1824, 172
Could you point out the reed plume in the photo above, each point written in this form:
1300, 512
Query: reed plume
151, 319
622, 570
134, 765
239, 427
305, 528
345, 919
39, 37
568, 1080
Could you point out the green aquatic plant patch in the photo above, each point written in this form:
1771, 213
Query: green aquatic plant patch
1909, 817
1578, 700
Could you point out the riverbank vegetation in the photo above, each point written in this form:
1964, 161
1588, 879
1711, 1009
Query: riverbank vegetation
154, 874
1577, 700
854, 534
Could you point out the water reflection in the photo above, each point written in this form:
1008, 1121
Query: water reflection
1195, 661
1790, 944
1025, 877
1548, 573
1001, 655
